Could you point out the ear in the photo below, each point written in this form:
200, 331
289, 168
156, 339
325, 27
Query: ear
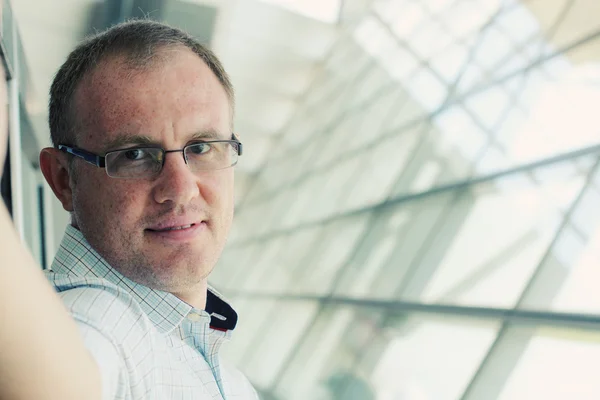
55, 167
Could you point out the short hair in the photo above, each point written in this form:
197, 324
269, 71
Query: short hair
139, 41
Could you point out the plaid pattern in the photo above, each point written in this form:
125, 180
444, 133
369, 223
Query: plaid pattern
148, 343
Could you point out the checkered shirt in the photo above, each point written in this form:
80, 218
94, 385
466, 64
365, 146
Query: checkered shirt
148, 344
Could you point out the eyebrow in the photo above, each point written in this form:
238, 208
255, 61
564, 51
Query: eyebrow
210, 134
143, 140
129, 139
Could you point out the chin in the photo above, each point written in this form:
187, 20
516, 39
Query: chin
182, 274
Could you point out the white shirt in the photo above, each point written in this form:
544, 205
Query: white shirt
148, 344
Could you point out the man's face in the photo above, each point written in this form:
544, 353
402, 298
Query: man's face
141, 226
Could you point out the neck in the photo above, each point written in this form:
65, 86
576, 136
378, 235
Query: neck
195, 297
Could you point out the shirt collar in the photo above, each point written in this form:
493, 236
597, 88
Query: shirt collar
76, 257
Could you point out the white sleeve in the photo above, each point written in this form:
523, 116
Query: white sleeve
112, 370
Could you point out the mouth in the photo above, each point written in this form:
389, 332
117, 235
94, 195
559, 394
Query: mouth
176, 232
172, 228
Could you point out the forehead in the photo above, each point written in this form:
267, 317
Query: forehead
174, 96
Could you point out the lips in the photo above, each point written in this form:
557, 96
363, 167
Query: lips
172, 228
176, 230
175, 224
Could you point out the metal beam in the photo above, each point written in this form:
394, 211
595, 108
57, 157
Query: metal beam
516, 316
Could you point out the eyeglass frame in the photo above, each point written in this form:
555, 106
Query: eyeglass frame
100, 161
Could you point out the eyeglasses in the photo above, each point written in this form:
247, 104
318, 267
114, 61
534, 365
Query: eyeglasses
147, 162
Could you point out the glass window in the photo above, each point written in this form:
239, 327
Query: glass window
367, 130
518, 22
450, 62
403, 17
428, 39
326, 11
305, 372
460, 132
445, 351
492, 47
465, 18
489, 106
498, 243
325, 260
400, 63
413, 230
374, 192
385, 160
427, 89
284, 324
367, 354
556, 364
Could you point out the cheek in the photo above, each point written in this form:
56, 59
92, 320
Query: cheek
218, 190
127, 204
114, 204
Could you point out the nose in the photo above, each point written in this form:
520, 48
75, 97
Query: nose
176, 183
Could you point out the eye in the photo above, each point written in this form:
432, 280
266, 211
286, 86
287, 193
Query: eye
135, 154
199, 148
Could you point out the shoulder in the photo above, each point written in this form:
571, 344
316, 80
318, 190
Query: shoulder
111, 310
116, 331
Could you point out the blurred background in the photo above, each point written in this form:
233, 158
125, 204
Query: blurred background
418, 205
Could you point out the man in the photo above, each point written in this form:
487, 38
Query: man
141, 122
